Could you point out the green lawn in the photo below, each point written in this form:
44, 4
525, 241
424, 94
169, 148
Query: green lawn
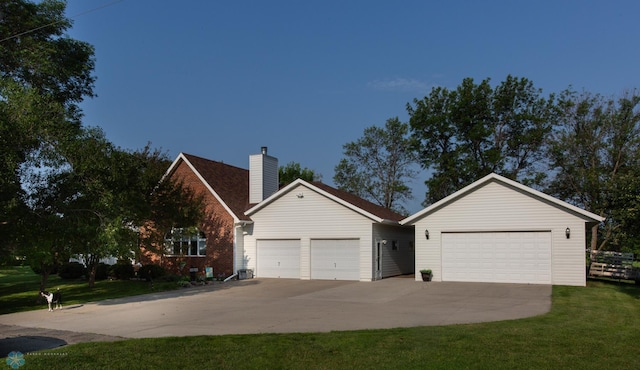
19, 289
597, 327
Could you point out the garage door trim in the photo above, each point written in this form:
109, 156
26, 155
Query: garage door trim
286, 266
513, 256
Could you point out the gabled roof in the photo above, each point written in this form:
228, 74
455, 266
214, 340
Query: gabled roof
228, 184
592, 217
373, 211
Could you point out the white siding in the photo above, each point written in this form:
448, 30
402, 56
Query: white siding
397, 261
304, 214
238, 248
263, 177
498, 207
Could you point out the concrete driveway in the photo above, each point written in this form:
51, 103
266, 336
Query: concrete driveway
282, 306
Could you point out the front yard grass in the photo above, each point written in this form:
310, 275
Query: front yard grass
597, 327
19, 288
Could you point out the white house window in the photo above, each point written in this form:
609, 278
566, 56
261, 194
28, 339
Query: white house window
184, 242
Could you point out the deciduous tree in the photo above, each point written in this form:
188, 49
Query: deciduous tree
595, 155
43, 76
293, 171
464, 134
379, 165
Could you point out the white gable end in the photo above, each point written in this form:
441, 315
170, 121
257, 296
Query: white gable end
334, 239
497, 207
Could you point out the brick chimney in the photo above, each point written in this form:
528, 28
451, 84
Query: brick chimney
263, 176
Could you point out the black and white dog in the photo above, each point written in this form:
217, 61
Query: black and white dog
55, 298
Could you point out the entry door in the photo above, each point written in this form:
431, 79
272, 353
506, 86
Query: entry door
278, 259
379, 254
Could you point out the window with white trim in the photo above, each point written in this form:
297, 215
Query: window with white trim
185, 242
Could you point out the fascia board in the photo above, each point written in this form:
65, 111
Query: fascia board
209, 188
493, 176
309, 186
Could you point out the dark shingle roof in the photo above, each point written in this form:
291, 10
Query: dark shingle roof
363, 204
232, 186
229, 182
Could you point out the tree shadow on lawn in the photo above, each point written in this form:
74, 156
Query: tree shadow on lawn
628, 287
181, 292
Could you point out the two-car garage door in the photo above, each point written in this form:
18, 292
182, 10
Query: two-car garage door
497, 257
330, 259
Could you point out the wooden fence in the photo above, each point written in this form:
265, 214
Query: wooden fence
615, 265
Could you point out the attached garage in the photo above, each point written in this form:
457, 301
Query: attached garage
278, 259
500, 231
309, 230
335, 259
497, 257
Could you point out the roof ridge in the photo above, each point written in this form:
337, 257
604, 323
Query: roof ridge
212, 160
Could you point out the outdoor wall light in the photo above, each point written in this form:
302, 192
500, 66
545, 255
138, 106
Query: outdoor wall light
426, 233
567, 232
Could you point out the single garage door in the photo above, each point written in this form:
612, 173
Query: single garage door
335, 259
497, 257
278, 259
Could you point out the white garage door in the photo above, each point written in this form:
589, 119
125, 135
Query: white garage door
497, 257
335, 259
278, 259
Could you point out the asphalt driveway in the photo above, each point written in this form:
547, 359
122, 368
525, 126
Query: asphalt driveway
278, 306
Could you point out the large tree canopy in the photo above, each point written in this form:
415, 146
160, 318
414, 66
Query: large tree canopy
43, 76
64, 188
594, 154
35, 52
98, 196
378, 165
464, 134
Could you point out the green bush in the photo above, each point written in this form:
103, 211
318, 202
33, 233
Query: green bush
151, 272
122, 271
38, 270
171, 278
71, 270
102, 272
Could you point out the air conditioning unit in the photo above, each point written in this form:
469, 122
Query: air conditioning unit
245, 274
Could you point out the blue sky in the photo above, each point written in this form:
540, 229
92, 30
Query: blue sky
220, 79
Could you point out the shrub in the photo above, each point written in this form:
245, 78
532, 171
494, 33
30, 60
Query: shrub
102, 272
71, 270
151, 272
184, 282
122, 271
38, 270
171, 278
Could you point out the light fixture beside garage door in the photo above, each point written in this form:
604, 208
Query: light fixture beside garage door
426, 234
567, 232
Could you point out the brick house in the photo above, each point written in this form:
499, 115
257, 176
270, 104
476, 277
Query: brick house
329, 230
494, 230
226, 193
